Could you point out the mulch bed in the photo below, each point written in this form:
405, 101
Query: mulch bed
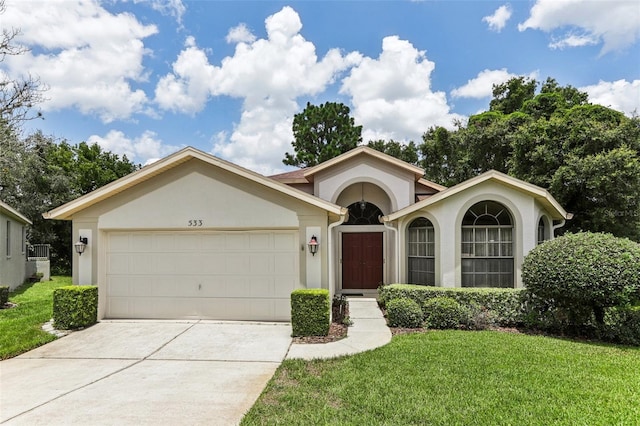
336, 332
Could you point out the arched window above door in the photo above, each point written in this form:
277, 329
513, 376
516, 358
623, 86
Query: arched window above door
363, 214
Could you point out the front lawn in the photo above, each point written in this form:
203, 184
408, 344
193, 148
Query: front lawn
459, 378
20, 327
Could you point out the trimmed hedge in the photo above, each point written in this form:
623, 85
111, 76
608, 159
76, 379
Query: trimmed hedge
574, 278
503, 304
444, 313
310, 312
4, 294
75, 306
404, 312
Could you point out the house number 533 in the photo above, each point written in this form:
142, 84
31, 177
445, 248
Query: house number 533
195, 222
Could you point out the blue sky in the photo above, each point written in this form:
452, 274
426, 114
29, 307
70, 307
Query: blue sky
147, 77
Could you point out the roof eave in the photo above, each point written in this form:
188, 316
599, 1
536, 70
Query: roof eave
66, 211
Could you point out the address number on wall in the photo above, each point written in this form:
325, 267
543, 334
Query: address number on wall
195, 222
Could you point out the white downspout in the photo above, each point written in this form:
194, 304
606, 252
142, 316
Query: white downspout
397, 247
331, 256
560, 225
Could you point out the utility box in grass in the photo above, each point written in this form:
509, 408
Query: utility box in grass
310, 312
75, 306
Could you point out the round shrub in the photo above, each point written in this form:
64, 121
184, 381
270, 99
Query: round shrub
580, 275
444, 312
404, 312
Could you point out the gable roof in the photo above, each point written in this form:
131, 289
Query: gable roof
15, 214
305, 175
540, 194
66, 211
364, 150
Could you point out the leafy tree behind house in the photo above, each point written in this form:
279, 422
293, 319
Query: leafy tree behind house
406, 152
587, 156
322, 133
38, 174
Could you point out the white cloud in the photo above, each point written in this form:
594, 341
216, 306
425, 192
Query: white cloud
499, 19
616, 23
174, 8
144, 149
482, 86
87, 56
573, 40
268, 74
240, 34
621, 95
392, 95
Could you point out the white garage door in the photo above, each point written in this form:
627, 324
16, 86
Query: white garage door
212, 275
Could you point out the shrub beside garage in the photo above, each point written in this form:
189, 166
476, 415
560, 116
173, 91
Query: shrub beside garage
75, 306
310, 312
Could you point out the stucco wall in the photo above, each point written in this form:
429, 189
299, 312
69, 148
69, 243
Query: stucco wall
12, 264
398, 184
211, 198
447, 216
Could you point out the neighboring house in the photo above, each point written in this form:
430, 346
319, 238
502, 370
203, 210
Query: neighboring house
194, 236
13, 246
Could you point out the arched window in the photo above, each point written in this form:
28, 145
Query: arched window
363, 214
542, 231
421, 252
487, 246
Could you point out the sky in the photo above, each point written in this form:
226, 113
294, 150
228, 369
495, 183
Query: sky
145, 78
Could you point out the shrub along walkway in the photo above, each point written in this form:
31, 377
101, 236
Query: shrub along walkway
369, 331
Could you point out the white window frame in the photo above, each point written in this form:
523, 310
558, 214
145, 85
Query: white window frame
421, 247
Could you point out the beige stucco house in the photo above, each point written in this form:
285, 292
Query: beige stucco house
194, 236
13, 246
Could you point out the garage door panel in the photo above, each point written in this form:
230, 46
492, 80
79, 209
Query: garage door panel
118, 264
223, 275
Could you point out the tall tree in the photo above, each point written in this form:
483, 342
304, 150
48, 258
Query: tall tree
510, 96
38, 174
322, 133
586, 155
406, 152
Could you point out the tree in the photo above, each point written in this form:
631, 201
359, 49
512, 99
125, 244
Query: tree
510, 96
322, 133
405, 152
38, 174
17, 97
586, 155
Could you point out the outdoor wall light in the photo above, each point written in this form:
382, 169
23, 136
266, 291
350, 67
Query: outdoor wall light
81, 245
313, 245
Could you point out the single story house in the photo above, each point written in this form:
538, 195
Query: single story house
13, 246
194, 236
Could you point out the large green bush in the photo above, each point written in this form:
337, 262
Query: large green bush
503, 305
310, 312
444, 312
572, 279
75, 306
404, 312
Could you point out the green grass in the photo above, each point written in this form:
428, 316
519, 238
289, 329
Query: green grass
459, 378
20, 327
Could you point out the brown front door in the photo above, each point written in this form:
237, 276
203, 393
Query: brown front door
361, 260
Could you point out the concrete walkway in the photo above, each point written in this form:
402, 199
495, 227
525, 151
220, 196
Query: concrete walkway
369, 331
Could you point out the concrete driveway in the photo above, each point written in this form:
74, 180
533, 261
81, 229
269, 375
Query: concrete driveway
144, 373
